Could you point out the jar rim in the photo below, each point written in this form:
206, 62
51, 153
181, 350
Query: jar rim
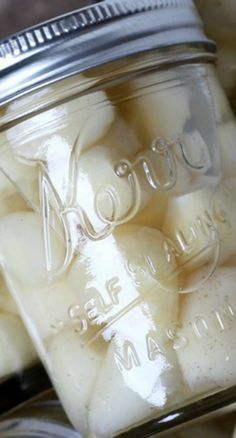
89, 37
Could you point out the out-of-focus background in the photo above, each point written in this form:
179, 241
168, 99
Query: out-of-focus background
18, 14
219, 18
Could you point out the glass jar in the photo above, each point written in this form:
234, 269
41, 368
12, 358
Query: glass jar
220, 21
124, 267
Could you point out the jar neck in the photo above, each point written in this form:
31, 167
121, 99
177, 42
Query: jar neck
101, 77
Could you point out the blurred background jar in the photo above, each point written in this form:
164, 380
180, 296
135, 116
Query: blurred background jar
44, 418
11, 20
219, 17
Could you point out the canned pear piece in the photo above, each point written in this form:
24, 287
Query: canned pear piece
207, 328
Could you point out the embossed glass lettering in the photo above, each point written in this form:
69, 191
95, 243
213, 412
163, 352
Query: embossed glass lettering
153, 349
127, 358
75, 223
200, 326
77, 318
225, 317
203, 163
175, 334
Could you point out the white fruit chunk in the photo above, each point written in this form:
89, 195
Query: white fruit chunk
22, 249
114, 406
49, 307
195, 155
18, 184
163, 110
6, 302
227, 139
11, 200
160, 113
74, 367
154, 213
187, 175
102, 194
12, 203
140, 377
80, 122
122, 139
155, 173
46, 302
142, 249
15, 346
208, 321
197, 221
188, 224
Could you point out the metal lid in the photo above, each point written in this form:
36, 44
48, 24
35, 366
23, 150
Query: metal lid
92, 36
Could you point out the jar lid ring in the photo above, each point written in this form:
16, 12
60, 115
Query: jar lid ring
92, 36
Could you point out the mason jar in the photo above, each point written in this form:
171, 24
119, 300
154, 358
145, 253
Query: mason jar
117, 135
